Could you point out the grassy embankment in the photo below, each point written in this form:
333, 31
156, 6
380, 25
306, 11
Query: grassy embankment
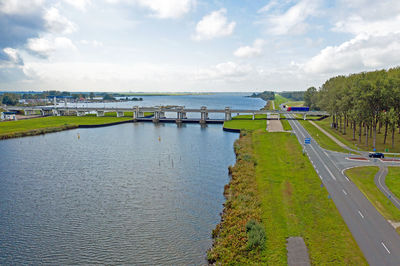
279, 100
295, 103
363, 177
37, 126
348, 138
393, 180
323, 140
274, 180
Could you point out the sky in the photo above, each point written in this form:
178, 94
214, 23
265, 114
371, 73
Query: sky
192, 45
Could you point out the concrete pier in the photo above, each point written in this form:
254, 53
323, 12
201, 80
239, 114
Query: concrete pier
99, 113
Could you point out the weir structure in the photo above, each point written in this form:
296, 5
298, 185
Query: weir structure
158, 113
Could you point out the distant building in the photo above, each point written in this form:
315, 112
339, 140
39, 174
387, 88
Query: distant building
8, 116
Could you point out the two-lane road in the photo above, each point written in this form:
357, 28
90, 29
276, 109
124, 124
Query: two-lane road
377, 239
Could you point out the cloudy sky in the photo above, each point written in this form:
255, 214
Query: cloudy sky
192, 45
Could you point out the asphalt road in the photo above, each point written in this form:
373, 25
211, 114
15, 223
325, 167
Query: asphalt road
377, 239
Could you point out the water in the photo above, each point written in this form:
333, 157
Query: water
139, 193
214, 101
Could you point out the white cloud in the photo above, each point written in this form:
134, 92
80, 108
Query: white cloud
214, 25
56, 23
268, 7
250, 51
168, 8
19, 6
162, 8
94, 43
224, 71
294, 19
79, 4
13, 55
360, 53
45, 47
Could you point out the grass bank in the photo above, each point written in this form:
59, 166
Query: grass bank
279, 100
393, 180
323, 140
290, 200
37, 126
285, 123
363, 177
245, 122
348, 138
295, 103
294, 204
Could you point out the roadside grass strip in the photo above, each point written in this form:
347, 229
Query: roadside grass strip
285, 123
279, 100
246, 122
294, 203
393, 180
295, 103
50, 124
348, 138
323, 140
363, 178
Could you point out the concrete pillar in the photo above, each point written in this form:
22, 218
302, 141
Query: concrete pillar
228, 114
253, 117
156, 116
55, 112
183, 115
120, 114
55, 101
204, 115
305, 116
42, 112
99, 113
135, 112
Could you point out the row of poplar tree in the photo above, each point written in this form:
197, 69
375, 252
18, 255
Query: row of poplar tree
364, 102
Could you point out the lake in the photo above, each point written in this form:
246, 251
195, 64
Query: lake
136, 193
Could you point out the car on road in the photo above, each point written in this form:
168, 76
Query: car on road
376, 155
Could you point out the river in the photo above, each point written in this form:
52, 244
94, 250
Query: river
135, 193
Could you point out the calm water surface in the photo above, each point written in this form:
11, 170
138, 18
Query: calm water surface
139, 193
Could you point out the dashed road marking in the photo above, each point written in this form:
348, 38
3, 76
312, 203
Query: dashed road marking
362, 216
344, 192
385, 247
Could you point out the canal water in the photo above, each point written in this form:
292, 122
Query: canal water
138, 193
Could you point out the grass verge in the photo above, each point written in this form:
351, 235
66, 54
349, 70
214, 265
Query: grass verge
279, 100
294, 204
347, 139
246, 122
37, 126
363, 177
285, 123
323, 140
393, 180
273, 182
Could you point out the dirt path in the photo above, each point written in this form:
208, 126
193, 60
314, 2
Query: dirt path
338, 142
274, 125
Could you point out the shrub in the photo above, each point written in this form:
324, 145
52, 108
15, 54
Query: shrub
255, 234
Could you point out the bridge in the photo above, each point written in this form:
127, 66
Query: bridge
159, 112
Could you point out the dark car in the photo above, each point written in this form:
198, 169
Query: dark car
376, 155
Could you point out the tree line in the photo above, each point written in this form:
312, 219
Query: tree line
365, 102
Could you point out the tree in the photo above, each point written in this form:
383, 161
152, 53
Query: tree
108, 97
91, 95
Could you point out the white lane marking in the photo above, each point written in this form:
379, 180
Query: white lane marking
385, 247
345, 170
327, 169
362, 216
344, 192
387, 192
317, 171
334, 178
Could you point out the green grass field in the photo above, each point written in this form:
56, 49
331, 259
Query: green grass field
363, 177
323, 140
294, 204
279, 100
246, 122
348, 138
20, 126
295, 103
393, 180
285, 123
